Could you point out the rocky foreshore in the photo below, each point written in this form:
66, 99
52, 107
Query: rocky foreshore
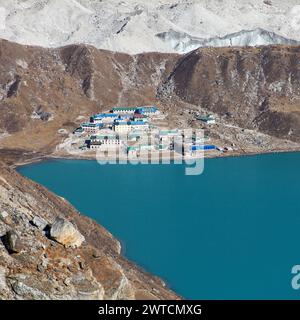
49, 251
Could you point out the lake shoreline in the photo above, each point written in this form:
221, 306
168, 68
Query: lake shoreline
246, 229
45, 158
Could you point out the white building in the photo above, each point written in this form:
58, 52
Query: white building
209, 119
126, 127
104, 118
91, 128
104, 140
124, 110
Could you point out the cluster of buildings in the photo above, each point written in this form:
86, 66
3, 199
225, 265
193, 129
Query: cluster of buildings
130, 129
120, 119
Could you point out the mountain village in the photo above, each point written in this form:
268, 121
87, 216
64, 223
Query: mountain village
132, 131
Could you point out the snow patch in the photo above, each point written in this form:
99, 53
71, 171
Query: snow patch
132, 25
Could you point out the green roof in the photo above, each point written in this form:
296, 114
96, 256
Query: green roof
145, 146
206, 118
167, 132
133, 148
163, 146
124, 108
89, 124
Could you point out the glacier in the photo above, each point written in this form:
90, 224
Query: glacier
135, 26
183, 43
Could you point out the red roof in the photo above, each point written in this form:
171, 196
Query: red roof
138, 115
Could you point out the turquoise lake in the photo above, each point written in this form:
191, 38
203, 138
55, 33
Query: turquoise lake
231, 233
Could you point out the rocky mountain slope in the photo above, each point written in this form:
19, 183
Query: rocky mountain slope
131, 26
258, 87
35, 266
46, 93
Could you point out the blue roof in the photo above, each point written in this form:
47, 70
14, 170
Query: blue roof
146, 109
121, 123
137, 123
105, 115
120, 119
203, 147
134, 123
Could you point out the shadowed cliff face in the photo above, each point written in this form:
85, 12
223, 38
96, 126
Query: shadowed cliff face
112, 78
259, 87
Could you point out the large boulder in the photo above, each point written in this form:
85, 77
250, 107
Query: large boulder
65, 233
13, 242
39, 222
5, 217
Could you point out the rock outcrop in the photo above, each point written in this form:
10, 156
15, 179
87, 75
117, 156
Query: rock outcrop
13, 242
39, 222
65, 233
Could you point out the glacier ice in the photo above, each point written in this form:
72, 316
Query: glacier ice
183, 43
135, 26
